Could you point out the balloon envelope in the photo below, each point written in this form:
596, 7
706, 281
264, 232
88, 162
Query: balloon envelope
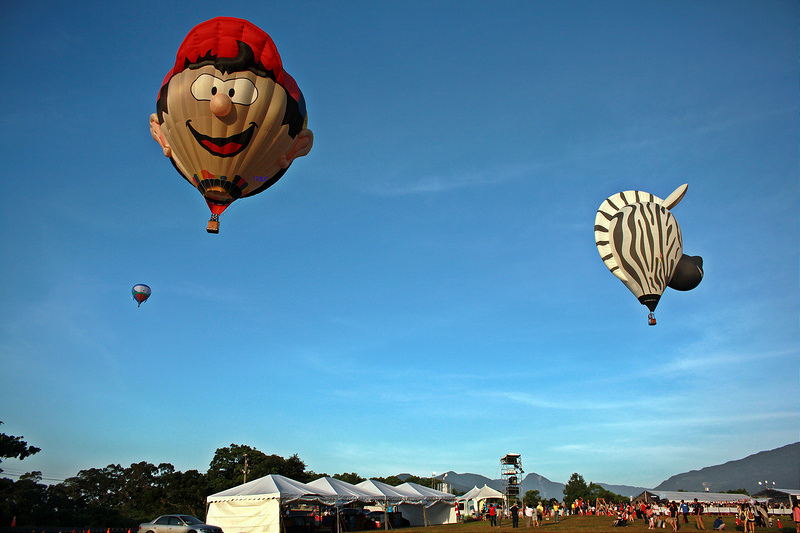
640, 242
229, 117
141, 293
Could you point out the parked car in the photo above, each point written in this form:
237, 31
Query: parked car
178, 523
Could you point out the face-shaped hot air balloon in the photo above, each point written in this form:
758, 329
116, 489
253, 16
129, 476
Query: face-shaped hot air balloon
641, 243
141, 293
229, 117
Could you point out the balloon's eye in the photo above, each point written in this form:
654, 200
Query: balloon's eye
206, 86
241, 91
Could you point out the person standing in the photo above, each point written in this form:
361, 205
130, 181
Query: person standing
796, 515
514, 510
673, 515
685, 511
698, 514
492, 515
528, 515
499, 515
555, 510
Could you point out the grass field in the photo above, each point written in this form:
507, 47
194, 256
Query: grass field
583, 524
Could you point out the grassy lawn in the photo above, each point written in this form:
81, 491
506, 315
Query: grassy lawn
581, 524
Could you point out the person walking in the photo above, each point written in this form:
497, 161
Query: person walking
698, 514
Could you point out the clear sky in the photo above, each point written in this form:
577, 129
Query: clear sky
422, 292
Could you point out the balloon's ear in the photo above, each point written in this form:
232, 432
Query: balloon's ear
688, 273
676, 196
302, 145
155, 131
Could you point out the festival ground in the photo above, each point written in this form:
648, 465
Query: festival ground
584, 524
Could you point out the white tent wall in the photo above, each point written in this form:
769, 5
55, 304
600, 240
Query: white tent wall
246, 516
438, 513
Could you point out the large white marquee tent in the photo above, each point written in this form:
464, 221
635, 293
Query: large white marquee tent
256, 506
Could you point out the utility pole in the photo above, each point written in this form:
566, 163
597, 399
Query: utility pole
244, 470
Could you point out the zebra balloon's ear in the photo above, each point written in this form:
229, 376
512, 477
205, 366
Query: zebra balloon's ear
676, 196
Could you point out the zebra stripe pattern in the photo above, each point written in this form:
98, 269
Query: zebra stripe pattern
640, 242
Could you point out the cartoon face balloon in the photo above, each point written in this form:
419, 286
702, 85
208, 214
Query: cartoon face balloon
640, 242
229, 117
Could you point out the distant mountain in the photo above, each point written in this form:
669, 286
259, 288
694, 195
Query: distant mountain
464, 482
781, 465
533, 481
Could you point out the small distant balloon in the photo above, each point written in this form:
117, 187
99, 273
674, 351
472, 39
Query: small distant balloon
141, 293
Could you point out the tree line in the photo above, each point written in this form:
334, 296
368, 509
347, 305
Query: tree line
124, 497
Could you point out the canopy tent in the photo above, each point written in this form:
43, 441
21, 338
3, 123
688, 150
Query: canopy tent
345, 492
428, 494
469, 494
381, 492
255, 506
437, 507
704, 497
477, 495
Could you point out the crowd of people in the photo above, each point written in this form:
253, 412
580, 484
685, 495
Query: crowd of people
657, 516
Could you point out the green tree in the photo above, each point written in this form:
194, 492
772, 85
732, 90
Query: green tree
15, 448
737, 491
351, 478
391, 480
227, 467
597, 491
531, 498
575, 488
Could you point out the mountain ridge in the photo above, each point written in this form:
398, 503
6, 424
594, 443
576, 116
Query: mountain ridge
780, 466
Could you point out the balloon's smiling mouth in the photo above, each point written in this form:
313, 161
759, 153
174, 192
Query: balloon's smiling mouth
224, 146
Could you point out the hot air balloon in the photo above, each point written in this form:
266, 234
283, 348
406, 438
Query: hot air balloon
640, 242
141, 293
229, 117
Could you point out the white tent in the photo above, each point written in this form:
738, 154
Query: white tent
255, 507
469, 494
437, 507
478, 495
381, 492
703, 497
345, 492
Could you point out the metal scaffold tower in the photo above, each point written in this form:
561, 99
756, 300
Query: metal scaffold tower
510, 470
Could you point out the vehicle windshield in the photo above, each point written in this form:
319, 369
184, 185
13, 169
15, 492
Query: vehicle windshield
190, 519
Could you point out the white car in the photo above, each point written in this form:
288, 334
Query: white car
178, 523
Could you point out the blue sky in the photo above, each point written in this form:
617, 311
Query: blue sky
422, 292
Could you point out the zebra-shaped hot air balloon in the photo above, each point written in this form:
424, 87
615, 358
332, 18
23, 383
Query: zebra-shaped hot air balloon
640, 242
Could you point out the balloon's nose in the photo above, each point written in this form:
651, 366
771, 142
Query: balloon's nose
221, 104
